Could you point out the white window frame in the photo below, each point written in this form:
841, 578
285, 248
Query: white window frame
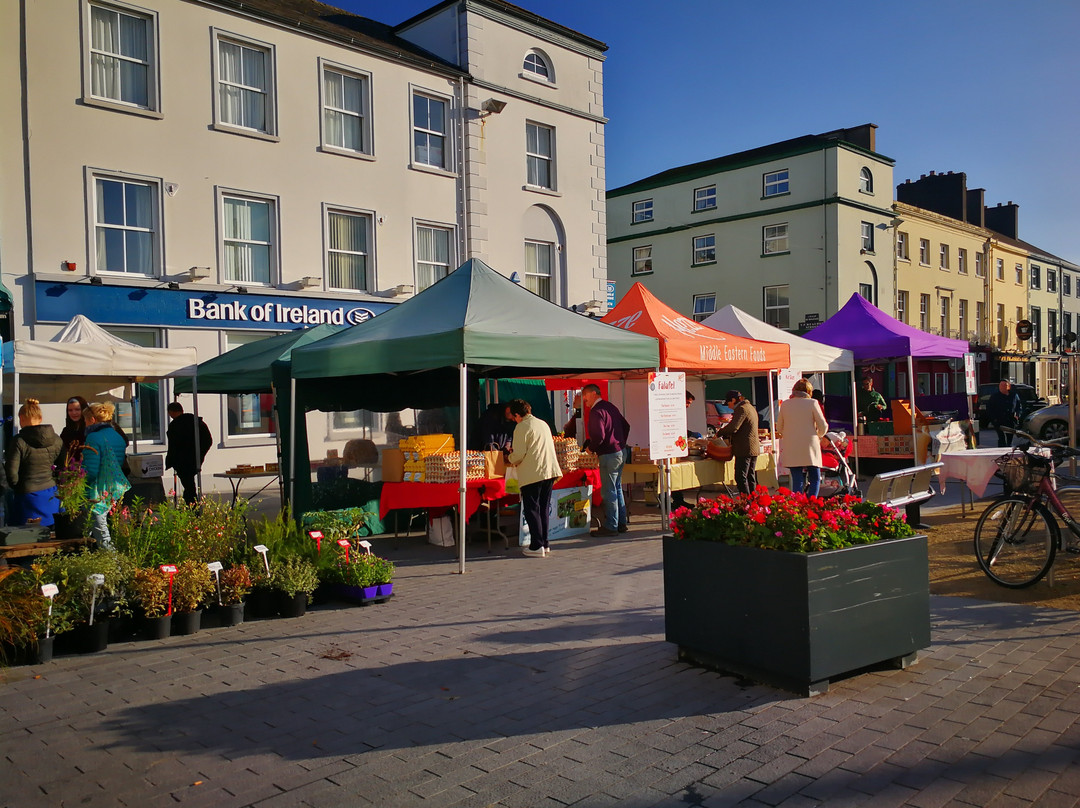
1066, 284
980, 265
705, 198
530, 73
1000, 268
1019, 274
902, 305
866, 236
269, 92
155, 184
152, 108
924, 312
1051, 280
446, 134
433, 265
962, 318
945, 315
866, 181
776, 183
157, 392
367, 143
902, 246
539, 159
274, 251
368, 218
1035, 277
924, 252
552, 275
775, 313
641, 211
943, 256
704, 313
248, 438
961, 261
774, 239
643, 260
704, 248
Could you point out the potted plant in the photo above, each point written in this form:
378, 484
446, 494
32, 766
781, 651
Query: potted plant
353, 579
148, 589
191, 586
235, 586
383, 574
70, 522
90, 603
294, 579
794, 590
27, 630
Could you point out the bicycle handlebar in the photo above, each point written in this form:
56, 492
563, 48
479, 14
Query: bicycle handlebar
1054, 445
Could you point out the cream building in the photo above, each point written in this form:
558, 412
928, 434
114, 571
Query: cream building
786, 232
157, 156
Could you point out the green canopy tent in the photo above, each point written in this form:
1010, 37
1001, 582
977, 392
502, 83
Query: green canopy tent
474, 322
246, 368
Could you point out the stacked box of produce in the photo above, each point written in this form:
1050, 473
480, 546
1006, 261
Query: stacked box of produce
640, 454
444, 467
588, 460
420, 446
567, 452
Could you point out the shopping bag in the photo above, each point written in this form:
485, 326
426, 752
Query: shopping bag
512, 484
440, 531
494, 464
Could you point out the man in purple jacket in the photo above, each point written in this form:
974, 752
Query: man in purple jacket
608, 431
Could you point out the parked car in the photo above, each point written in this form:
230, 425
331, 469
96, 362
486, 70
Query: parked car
1029, 401
716, 413
1048, 423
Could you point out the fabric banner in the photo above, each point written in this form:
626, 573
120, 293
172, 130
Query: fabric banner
569, 513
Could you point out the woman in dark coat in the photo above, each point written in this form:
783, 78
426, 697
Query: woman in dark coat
73, 434
29, 466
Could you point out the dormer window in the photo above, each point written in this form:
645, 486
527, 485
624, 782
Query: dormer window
538, 67
866, 181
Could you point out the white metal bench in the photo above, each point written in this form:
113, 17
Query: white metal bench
907, 489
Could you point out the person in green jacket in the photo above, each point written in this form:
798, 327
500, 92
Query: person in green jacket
869, 401
29, 464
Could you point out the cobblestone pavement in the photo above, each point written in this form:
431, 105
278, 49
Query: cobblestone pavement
538, 682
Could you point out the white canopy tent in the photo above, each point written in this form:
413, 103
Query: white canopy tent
807, 356
86, 360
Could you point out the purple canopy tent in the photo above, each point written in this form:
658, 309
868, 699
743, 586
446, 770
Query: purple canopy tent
871, 334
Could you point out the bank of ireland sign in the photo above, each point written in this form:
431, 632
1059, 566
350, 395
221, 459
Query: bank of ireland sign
273, 312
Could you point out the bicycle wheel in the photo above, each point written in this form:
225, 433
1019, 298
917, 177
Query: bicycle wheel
1016, 541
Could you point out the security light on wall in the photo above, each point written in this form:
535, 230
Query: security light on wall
493, 106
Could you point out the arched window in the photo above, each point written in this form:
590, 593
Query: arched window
866, 181
537, 65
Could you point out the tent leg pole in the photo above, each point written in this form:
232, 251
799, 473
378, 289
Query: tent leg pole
463, 419
198, 448
292, 448
855, 421
911, 387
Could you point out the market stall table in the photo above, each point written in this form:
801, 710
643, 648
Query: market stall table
237, 477
974, 467
40, 547
698, 472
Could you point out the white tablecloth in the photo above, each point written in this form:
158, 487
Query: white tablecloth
976, 467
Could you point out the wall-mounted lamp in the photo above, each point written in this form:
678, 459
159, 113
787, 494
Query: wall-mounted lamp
493, 106
891, 225
240, 290
308, 282
95, 280
173, 285
197, 274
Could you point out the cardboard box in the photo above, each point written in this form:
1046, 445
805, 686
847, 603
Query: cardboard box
393, 465
146, 465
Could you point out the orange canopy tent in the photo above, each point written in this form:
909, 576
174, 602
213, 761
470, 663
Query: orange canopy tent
689, 346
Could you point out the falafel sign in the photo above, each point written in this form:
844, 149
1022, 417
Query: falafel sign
667, 415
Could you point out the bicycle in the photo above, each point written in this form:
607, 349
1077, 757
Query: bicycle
1017, 537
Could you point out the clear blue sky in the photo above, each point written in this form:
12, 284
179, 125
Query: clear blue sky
988, 87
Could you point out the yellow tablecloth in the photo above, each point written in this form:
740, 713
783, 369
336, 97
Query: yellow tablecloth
696, 473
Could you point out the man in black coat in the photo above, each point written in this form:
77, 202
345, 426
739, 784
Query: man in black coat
181, 457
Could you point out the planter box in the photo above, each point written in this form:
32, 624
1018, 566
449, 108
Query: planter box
797, 620
362, 594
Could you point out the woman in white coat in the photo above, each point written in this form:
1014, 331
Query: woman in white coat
801, 425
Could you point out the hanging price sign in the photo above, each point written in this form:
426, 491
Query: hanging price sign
317, 535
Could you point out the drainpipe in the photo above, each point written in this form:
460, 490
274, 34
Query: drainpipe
463, 173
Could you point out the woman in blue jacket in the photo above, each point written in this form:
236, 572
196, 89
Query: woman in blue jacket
103, 454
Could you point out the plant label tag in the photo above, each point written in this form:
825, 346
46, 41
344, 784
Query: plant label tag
50, 590
261, 548
168, 569
97, 579
214, 566
343, 542
366, 545
315, 534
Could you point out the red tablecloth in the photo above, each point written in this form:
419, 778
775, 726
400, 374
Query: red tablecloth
445, 495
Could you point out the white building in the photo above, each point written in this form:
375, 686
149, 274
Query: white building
786, 232
300, 163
